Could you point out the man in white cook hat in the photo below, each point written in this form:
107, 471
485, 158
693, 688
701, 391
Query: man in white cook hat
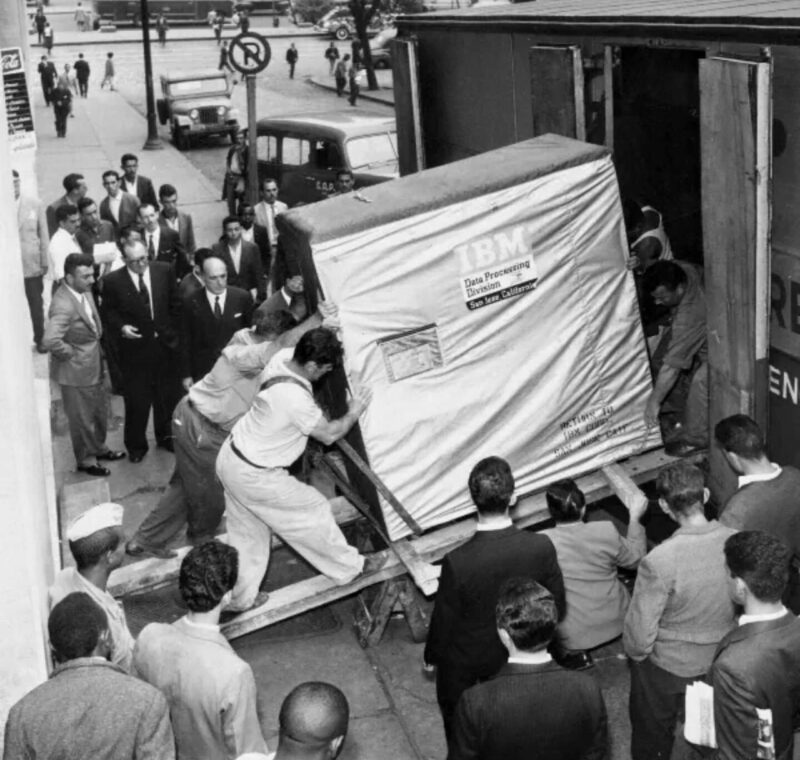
98, 546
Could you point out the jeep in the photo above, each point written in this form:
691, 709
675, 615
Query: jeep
197, 104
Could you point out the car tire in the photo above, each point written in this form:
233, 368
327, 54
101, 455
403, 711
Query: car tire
342, 34
179, 138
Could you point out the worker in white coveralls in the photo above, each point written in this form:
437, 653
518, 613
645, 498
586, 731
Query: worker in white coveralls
261, 495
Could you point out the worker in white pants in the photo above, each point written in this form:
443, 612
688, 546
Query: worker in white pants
261, 496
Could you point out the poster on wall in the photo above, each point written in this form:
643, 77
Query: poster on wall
19, 113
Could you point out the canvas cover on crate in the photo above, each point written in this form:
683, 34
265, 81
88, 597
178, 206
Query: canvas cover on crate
487, 306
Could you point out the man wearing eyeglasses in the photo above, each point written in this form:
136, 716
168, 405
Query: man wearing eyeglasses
141, 308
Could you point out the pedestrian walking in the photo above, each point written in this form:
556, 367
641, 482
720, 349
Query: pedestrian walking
225, 63
80, 18
110, 73
62, 105
81, 67
47, 75
161, 29
340, 74
48, 37
217, 24
354, 78
291, 58
355, 46
244, 21
332, 55
39, 21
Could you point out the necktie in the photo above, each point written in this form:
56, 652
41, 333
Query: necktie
151, 251
217, 310
144, 294
89, 315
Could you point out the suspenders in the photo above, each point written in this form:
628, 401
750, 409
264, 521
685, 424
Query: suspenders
281, 379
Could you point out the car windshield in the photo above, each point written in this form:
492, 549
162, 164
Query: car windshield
198, 86
376, 153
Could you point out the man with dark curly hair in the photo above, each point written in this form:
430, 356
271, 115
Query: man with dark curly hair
210, 689
462, 638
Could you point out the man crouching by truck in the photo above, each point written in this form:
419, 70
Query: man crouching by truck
261, 495
683, 350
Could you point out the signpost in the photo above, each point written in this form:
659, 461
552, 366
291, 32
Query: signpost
249, 53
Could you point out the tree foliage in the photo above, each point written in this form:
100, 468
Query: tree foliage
311, 10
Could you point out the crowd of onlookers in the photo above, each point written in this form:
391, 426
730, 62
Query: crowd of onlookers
218, 342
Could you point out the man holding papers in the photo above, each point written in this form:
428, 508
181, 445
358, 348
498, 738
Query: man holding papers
756, 670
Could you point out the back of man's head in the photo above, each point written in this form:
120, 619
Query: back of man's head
491, 485
740, 435
666, 274
319, 345
90, 550
761, 561
75, 626
682, 487
313, 721
208, 572
272, 323
527, 612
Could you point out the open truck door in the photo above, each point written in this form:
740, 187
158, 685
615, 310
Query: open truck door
735, 133
405, 67
557, 91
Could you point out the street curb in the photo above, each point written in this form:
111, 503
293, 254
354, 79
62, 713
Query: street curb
363, 95
109, 38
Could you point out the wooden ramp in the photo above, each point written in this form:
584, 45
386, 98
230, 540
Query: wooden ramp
284, 603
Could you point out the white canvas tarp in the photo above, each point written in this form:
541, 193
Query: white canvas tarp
503, 324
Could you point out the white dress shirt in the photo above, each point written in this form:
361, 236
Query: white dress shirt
248, 235
135, 278
213, 298
173, 224
84, 303
156, 235
62, 244
236, 255
114, 204
130, 187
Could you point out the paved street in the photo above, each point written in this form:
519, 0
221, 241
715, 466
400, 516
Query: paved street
276, 94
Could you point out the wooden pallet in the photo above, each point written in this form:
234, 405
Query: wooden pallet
297, 598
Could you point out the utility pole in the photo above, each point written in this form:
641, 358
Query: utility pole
153, 141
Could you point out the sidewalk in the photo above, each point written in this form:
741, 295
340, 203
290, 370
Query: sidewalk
133, 34
384, 95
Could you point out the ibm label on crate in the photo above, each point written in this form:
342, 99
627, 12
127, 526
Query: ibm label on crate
496, 267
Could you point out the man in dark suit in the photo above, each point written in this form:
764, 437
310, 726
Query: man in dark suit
757, 665
192, 283
162, 243
73, 338
210, 318
118, 207
289, 298
242, 259
75, 188
532, 707
178, 221
137, 184
462, 639
255, 233
141, 306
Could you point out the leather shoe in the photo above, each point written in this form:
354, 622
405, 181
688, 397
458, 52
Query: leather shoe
135, 549
683, 448
94, 469
40, 348
166, 444
137, 457
111, 456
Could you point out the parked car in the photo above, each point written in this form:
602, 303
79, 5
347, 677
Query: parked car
339, 23
304, 153
197, 104
379, 48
